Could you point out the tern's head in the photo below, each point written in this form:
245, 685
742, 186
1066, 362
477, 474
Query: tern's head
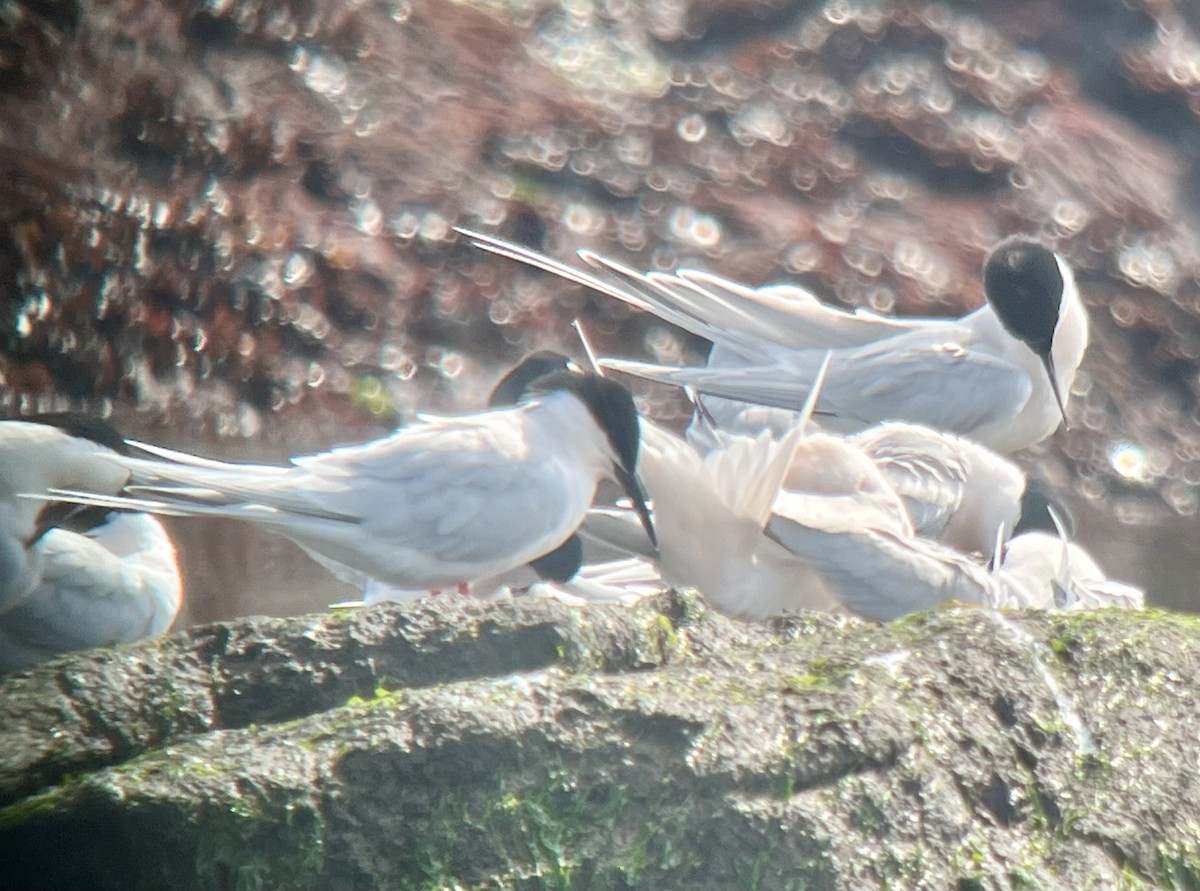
611, 407
74, 458
561, 564
516, 383
1025, 284
1036, 504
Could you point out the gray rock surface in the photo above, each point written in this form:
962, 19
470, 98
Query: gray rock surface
529, 744
228, 222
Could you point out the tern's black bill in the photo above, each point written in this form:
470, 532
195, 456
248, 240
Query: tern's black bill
1048, 362
633, 488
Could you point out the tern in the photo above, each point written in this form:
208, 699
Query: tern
837, 534
1059, 574
71, 577
438, 503
709, 512
116, 582
841, 515
881, 575
899, 480
1000, 375
956, 491
885, 573
560, 565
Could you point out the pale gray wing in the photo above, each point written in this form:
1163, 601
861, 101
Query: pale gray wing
202, 487
443, 487
405, 471
462, 488
943, 386
748, 320
922, 467
613, 532
883, 576
681, 301
798, 319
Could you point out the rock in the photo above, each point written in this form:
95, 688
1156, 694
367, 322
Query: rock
530, 744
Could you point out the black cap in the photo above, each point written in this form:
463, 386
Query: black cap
1025, 287
611, 405
1037, 502
561, 564
511, 388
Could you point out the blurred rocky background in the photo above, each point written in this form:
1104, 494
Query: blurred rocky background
227, 224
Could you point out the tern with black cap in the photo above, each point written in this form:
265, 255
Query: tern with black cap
1000, 375
438, 503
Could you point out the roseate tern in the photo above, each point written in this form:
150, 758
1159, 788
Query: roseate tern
1060, 574
438, 503
884, 574
74, 577
709, 512
955, 490
1000, 375
116, 582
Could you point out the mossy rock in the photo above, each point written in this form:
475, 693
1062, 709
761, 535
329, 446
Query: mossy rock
530, 744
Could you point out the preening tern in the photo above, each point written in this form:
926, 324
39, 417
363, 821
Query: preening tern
72, 577
1062, 575
116, 582
955, 490
884, 574
709, 512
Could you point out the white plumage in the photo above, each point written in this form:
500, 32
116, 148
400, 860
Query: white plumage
883, 573
116, 583
113, 580
1059, 574
438, 503
710, 512
954, 490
